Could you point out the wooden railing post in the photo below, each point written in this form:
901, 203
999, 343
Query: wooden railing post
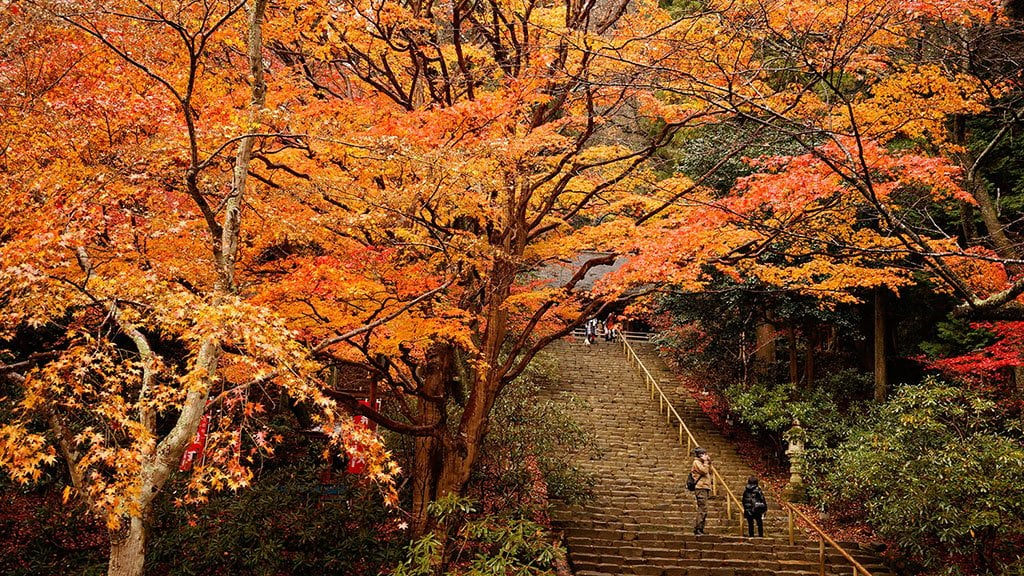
824, 538
821, 557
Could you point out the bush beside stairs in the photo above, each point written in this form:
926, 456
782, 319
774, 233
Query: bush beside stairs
640, 519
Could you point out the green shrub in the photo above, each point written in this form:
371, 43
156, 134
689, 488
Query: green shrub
494, 545
938, 470
764, 408
770, 409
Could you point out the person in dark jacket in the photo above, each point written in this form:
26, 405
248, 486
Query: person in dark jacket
754, 506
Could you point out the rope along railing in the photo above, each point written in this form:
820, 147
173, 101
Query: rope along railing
691, 442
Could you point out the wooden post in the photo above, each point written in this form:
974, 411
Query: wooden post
821, 556
789, 513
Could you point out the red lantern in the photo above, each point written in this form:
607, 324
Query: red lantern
198, 445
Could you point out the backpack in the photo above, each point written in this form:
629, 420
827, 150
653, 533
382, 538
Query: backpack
691, 482
758, 505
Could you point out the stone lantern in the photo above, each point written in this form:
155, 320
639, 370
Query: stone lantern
795, 490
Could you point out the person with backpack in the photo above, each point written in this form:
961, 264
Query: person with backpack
754, 506
701, 472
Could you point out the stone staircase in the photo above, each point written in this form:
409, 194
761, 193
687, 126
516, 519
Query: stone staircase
640, 520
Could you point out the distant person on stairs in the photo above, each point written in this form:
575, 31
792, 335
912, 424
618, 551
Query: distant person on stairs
754, 506
701, 470
591, 331
609, 328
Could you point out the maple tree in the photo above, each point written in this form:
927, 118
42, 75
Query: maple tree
131, 131
875, 93
988, 364
467, 165
397, 215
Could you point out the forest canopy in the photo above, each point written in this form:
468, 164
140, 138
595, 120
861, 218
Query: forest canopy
214, 209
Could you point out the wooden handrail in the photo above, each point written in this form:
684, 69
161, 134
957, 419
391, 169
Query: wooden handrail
691, 441
652, 385
857, 567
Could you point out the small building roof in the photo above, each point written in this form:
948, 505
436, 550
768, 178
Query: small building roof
560, 273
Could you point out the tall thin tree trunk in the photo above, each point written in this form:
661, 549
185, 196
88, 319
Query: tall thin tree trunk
812, 345
794, 361
990, 216
881, 371
764, 355
967, 227
128, 545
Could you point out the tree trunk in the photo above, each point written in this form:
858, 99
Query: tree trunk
128, 545
967, 227
425, 469
881, 372
976, 187
428, 455
812, 345
764, 355
794, 363
461, 451
446, 464
128, 549
990, 216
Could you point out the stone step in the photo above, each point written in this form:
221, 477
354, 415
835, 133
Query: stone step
640, 519
712, 546
683, 524
701, 567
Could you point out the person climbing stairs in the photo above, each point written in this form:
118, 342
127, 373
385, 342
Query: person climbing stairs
641, 517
